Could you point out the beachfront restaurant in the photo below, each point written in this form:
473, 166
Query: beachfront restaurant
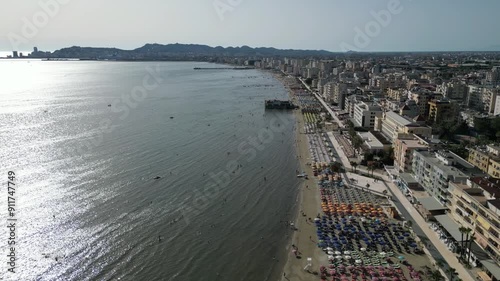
430, 207
448, 232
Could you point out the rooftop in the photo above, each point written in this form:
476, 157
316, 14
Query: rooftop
431, 204
398, 118
491, 185
413, 143
448, 170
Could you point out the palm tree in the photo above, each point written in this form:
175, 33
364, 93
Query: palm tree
471, 239
452, 272
462, 232
436, 275
439, 263
357, 143
425, 240
409, 224
369, 168
467, 234
354, 165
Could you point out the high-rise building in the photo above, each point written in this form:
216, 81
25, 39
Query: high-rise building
14, 54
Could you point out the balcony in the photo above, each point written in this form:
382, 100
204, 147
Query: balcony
493, 243
493, 232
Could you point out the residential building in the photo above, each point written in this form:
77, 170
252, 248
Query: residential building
398, 94
422, 97
487, 159
433, 170
456, 90
443, 110
365, 114
393, 126
483, 98
403, 152
475, 205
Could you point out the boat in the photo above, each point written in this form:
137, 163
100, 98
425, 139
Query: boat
171, 117
157, 177
302, 175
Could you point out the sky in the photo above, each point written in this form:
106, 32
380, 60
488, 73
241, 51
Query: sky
333, 25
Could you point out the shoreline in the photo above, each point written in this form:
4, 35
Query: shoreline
308, 203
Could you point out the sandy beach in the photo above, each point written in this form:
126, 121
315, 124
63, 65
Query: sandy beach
304, 237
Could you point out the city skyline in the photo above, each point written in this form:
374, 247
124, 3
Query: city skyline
376, 26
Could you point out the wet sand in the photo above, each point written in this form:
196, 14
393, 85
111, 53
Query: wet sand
304, 238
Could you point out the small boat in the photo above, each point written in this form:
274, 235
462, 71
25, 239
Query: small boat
157, 177
301, 175
171, 117
109, 105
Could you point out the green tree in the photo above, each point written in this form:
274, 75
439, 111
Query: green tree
357, 143
370, 167
354, 165
436, 275
462, 232
452, 272
439, 263
409, 224
467, 232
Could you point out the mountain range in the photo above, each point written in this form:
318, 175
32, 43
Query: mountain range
178, 51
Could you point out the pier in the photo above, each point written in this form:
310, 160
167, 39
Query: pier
221, 68
279, 104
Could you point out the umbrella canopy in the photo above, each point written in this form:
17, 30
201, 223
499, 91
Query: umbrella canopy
358, 261
401, 257
331, 258
338, 257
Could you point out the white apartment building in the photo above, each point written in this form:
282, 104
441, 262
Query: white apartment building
365, 114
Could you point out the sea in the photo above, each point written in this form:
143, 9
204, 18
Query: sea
143, 171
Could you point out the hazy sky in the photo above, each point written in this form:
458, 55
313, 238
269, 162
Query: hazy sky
415, 25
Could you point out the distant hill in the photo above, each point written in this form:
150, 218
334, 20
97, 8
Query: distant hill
173, 51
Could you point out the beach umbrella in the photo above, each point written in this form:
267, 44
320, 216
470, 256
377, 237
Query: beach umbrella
358, 261
330, 253
329, 249
347, 257
338, 257
316, 219
330, 258
347, 253
401, 257
338, 253
363, 249
382, 254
